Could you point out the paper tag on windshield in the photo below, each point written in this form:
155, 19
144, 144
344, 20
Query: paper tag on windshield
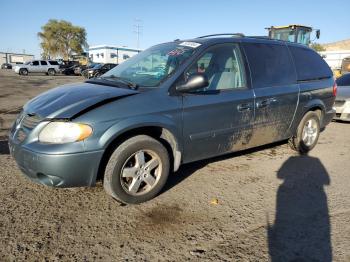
190, 44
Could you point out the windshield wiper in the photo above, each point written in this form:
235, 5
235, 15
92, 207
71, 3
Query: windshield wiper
129, 83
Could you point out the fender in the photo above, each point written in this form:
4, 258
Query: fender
170, 133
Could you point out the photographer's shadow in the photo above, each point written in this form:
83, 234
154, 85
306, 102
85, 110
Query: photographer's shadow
301, 230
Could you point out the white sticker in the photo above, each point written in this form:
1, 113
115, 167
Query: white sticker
190, 44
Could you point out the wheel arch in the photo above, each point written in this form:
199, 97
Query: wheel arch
164, 134
314, 105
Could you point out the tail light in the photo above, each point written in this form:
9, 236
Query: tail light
335, 87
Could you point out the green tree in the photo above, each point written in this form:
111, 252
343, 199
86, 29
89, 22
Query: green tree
62, 38
317, 47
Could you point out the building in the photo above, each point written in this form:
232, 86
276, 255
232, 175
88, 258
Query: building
334, 58
14, 58
111, 54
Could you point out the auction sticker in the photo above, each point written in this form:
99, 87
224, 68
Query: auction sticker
190, 44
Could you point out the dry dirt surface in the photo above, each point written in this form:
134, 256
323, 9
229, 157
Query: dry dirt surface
259, 205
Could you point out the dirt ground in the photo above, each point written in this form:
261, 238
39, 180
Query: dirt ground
263, 204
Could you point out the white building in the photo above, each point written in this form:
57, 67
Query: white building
111, 54
334, 58
14, 58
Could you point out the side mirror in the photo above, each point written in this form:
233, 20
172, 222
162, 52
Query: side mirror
318, 33
194, 82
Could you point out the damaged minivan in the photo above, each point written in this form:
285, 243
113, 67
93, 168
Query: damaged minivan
171, 104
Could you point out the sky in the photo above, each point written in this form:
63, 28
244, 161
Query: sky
112, 22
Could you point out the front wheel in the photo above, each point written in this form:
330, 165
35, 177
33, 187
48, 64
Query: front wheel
307, 134
23, 72
137, 170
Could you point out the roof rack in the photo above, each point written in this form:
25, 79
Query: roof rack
259, 36
266, 38
231, 34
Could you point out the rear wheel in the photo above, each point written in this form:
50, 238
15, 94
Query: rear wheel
23, 72
307, 134
51, 72
137, 170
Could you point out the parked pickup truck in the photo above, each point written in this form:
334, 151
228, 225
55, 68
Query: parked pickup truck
48, 67
210, 96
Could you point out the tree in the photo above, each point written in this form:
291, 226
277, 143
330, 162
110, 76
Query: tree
62, 38
317, 47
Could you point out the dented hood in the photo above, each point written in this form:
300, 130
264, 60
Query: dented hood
69, 100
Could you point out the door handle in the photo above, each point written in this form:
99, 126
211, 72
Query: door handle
263, 103
244, 107
266, 102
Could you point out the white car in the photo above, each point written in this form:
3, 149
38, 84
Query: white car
342, 102
48, 67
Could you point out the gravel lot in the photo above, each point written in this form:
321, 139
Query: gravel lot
262, 204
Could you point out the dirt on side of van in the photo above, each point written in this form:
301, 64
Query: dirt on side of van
257, 205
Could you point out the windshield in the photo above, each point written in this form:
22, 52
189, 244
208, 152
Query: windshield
303, 36
152, 66
283, 34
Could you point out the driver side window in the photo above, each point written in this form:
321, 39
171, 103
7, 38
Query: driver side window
223, 66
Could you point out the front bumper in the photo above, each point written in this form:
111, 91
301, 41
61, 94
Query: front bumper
57, 170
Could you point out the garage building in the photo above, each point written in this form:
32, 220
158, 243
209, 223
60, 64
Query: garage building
14, 58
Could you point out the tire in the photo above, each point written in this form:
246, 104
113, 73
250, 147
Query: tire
97, 75
51, 72
307, 134
127, 178
23, 72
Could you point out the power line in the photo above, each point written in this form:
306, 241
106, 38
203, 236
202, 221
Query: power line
138, 31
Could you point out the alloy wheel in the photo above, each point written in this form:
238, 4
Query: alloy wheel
141, 172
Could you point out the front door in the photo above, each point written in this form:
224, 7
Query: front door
218, 118
34, 67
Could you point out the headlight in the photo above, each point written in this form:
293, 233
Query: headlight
64, 132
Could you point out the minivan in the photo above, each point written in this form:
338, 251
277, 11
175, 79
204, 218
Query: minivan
174, 103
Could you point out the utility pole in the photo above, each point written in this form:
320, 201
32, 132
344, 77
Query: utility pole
138, 31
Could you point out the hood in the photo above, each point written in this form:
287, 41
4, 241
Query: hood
343, 93
69, 100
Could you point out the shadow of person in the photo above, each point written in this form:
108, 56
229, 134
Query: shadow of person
301, 230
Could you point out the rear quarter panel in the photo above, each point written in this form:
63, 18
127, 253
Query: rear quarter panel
314, 94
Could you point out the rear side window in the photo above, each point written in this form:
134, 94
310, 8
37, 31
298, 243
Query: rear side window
53, 62
43, 63
309, 64
270, 64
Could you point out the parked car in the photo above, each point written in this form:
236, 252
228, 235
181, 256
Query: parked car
70, 70
97, 70
214, 96
48, 67
342, 102
6, 66
67, 64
